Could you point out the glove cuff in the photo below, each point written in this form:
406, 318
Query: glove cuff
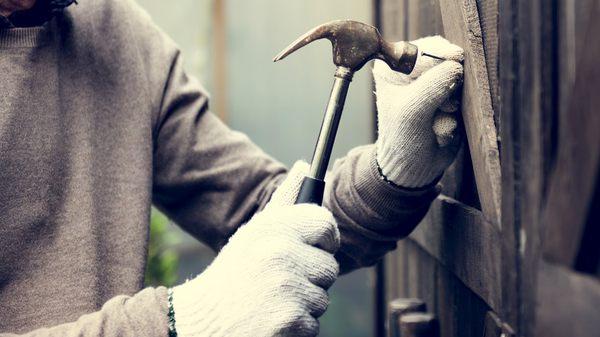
172, 329
411, 170
191, 312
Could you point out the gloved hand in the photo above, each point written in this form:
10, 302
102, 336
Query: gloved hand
417, 122
270, 279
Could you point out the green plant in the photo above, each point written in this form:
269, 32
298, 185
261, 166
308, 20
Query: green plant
163, 259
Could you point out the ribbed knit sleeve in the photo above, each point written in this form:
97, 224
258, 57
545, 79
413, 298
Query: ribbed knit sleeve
372, 213
145, 314
208, 178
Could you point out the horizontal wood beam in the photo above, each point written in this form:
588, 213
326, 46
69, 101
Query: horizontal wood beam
468, 245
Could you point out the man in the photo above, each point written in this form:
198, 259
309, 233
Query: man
98, 121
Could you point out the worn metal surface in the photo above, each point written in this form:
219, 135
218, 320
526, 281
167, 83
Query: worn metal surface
331, 121
356, 43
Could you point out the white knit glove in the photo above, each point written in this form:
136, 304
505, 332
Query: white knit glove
417, 124
270, 279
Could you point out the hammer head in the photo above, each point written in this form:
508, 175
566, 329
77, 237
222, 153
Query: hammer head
355, 43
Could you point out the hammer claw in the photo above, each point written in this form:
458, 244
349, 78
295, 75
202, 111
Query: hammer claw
317, 33
354, 44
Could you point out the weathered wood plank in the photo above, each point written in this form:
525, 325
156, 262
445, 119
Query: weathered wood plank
422, 19
488, 15
436, 15
533, 103
460, 311
403, 269
508, 86
393, 18
526, 86
567, 303
461, 26
392, 264
427, 274
412, 271
573, 181
468, 245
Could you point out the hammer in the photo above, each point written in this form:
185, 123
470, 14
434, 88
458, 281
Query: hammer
354, 44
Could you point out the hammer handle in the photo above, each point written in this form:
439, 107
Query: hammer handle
331, 121
313, 186
311, 191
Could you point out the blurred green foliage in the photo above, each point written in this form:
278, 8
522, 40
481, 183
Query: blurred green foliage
163, 259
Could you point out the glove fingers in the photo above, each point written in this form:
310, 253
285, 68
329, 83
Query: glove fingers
317, 301
382, 73
322, 269
445, 126
435, 86
434, 45
310, 224
287, 193
320, 230
306, 326
438, 46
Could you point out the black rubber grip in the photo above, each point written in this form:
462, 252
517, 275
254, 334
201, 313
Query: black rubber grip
311, 191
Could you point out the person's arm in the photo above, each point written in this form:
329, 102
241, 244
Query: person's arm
380, 192
372, 213
271, 278
210, 179
144, 314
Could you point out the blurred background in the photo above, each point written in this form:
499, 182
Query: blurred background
229, 46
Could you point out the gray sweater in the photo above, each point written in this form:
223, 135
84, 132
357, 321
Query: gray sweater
98, 121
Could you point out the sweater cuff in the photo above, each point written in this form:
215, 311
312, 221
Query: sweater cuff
384, 198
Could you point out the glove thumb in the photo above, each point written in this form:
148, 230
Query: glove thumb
287, 193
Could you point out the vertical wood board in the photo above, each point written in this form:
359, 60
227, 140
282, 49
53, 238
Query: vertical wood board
573, 180
461, 26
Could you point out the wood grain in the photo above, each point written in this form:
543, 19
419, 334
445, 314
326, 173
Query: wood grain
573, 181
468, 245
461, 26
393, 19
488, 15
459, 311
508, 84
453, 259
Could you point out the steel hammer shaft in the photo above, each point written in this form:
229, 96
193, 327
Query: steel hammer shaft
313, 185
